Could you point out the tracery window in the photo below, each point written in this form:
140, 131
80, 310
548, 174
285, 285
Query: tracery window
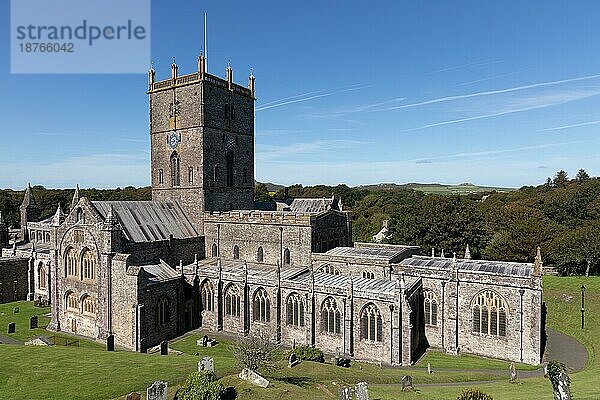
261, 306
70, 263
88, 265
88, 305
331, 317
295, 310
371, 324
72, 302
207, 296
489, 313
232, 301
430, 307
214, 250
163, 311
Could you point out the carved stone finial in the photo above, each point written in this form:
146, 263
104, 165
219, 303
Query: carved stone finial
537, 264
467, 253
432, 252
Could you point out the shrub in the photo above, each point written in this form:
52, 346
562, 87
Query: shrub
474, 394
201, 386
308, 353
256, 352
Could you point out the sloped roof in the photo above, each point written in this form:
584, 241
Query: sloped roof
160, 271
313, 206
505, 268
148, 221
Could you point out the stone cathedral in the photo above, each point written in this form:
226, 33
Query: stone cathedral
200, 256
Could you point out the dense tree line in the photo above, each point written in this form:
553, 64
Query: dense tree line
562, 216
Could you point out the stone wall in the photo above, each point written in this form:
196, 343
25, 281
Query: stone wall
13, 279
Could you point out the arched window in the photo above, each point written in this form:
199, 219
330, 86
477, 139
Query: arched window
70, 263
430, 307
236, 252
287, 259
88, 265
88, 305
175, 175
261, 306
295, 310
489, 313
331, 317
214, 250
329, 269
371, 325
79, 215
232, 301
207, 296
260, 254
191, 174
163, 311
42, 276
368, 274
72, 301
229, 169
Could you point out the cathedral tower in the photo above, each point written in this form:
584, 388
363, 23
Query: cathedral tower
202, 140
30, 212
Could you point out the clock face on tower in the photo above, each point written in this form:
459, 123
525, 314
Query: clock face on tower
173, 139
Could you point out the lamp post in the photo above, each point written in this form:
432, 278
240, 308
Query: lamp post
582, 305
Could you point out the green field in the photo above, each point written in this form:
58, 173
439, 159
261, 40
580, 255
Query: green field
89, 372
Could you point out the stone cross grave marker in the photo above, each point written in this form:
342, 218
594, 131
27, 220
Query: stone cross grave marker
362, 391
11, 327
345, 393
206, 364
157, 391
407, 383
33, 322
513, 372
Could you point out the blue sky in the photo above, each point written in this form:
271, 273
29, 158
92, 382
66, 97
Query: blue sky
495, 93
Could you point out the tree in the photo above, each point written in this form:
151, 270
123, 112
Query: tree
561, 179
582, 176
578, 250
257, 351
261, 193
201, 386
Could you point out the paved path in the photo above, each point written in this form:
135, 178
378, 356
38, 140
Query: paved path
9, 340
565, 349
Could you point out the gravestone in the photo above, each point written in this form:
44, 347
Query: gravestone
362, 391
562, 391
11, 327
110, 343
407, 383
345, 393
134, 396
429, 370
33, 322
206, 364
157, 391
164, 347
252, 377
513, 372
16, 310
293, 360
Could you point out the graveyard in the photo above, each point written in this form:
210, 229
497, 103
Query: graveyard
75, 370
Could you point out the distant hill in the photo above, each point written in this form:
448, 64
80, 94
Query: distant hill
463, 188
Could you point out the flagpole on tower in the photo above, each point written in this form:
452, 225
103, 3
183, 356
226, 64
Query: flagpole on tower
205, 43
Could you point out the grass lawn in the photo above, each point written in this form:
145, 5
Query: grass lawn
88, 372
